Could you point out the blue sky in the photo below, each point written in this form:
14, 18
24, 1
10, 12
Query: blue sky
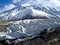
9, 4
4, 2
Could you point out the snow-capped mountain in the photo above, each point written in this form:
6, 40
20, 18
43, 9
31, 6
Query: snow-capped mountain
29, 20
27, 8
28, 12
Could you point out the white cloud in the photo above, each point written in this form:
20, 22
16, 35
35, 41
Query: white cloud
50, 3
55, 4
10, 6
7, 7
15, 1
26, 4
45, 2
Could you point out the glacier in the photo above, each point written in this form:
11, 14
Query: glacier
29, 27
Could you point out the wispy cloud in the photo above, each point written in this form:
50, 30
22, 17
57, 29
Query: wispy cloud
51, 3
15, 1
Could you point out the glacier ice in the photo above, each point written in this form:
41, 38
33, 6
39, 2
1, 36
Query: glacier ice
29, 27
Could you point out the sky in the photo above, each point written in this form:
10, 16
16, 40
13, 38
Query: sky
4, 2
9, 4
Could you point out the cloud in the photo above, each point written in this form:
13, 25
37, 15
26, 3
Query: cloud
45, 2
7, 7
26, 4
50, 3
15, 1
54, 3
